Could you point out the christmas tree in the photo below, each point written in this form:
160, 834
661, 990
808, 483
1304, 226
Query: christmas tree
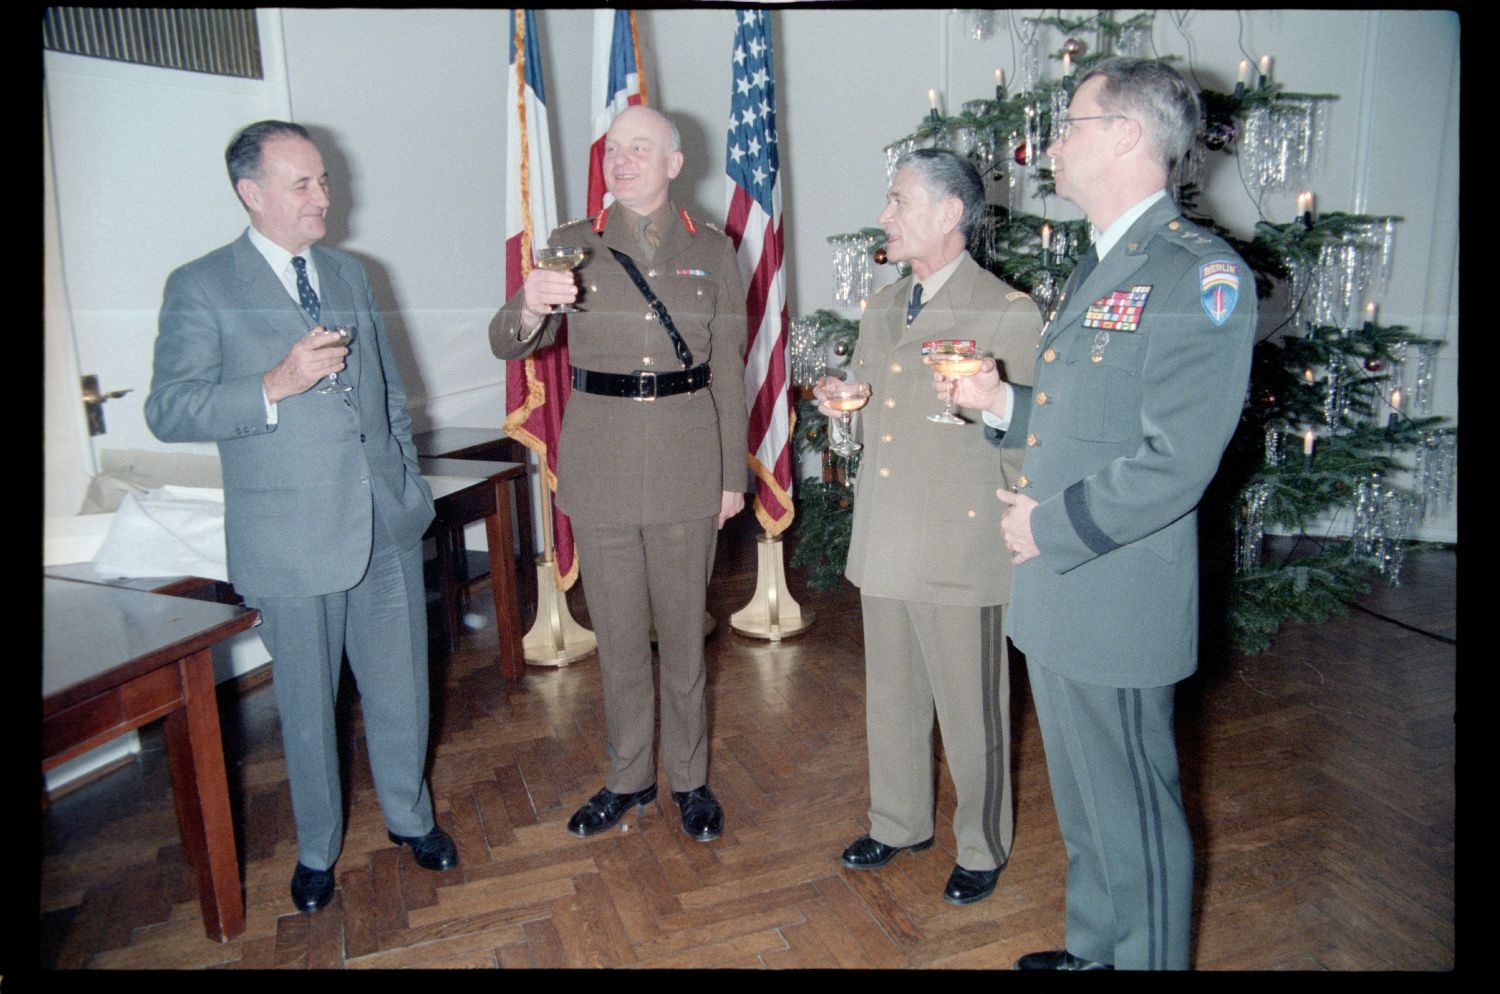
1326, 431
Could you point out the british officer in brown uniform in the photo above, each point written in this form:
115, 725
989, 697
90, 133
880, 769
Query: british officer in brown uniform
652, 458
931, 589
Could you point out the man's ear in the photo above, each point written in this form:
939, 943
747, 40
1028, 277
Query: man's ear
249, 192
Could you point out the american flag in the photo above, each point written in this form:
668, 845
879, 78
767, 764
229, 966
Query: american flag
753, 221
618, 84
536, 388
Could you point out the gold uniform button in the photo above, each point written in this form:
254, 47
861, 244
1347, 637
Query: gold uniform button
973, 513
649, 316
1031, 440
1096, 358
646, 360
651, 273
885, 471
1173, 225
895, 367
593, 288
887, 437
1023, 482
700, 291
1049, 356
1041, 398
890, 402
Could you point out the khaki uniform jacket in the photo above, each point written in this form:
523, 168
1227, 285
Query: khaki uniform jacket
926, 521
648, 462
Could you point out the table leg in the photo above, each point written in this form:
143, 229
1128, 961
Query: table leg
200, 787
503, 585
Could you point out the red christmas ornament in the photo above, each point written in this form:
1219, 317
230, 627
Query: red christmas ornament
880, 257
1075, 48
1374, 364
1022, 154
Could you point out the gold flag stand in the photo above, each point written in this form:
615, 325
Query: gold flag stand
555, 638
772, 613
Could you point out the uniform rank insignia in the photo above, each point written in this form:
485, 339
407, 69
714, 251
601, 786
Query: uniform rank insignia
1120, 311
1219, 289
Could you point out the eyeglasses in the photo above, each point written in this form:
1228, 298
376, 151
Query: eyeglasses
1065, 125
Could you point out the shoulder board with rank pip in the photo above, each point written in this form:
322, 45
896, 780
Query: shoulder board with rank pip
569, 224
600, 220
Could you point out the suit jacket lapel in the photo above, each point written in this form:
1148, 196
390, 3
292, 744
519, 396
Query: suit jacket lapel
264, 294
337, 303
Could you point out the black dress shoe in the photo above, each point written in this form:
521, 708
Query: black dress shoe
968, 886
1058, 959
864, 853
702, 818
433, 851
311, 889
605, 808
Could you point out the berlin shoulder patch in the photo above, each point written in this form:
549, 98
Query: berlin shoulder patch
1219, 289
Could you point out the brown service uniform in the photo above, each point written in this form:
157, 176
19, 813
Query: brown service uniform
642, 481
922, 553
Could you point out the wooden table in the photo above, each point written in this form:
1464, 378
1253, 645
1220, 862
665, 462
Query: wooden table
484, 495
485, 445
115, 659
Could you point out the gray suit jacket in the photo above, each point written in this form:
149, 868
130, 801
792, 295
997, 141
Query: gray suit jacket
668, 460
1121, 437
925, 513
299, 495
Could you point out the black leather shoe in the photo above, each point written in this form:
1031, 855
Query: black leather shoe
968, 886
311, 889
702, 818
433, 851
864, 853
605, 808
1058, 959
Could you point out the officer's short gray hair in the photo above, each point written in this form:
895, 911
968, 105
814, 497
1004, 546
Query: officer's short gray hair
948, 174
1152, 92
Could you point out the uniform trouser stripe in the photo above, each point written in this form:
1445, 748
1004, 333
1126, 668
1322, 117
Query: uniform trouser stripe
994, 670
1153, 850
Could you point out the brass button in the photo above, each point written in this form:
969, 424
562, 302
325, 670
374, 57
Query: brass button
1096, 358
1031, 440
1023, 481
650, 316
700, 291
885, 471
651, 273
890, 402
593, 288
1041, 398
887, 437
895, 367
1049, 356
1173, 225
646, 360
973, 513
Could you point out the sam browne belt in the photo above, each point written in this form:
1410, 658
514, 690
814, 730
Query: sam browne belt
642, 384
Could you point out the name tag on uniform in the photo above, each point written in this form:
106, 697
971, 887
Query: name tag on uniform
1120, 311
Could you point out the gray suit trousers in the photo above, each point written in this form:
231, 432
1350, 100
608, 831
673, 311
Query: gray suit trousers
922, 659
635, 575
1112, 763
381, 622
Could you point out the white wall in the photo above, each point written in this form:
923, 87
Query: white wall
407, 105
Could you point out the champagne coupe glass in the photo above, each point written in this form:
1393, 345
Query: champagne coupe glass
561, 258
346, 336
845, 398
955, 359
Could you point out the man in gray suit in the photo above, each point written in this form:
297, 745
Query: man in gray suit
931, 592
1140, 384
324, 505
652, 458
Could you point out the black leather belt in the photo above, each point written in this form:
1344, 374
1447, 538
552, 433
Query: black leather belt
642, 384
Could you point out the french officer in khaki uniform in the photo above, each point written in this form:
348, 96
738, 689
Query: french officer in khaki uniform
921, 552
1140, 383
652, 457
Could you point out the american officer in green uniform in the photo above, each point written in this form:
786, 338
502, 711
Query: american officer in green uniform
1140, 380
651, 461
931, 589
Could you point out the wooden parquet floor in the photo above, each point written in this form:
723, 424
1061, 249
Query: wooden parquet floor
1319, 779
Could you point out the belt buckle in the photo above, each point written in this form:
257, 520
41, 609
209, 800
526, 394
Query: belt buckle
641, 380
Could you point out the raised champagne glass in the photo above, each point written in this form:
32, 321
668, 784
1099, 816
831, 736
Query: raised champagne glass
346, 337
845, 398
954, 359
561, 259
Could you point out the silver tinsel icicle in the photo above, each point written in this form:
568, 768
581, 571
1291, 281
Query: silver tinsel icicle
853, 269
1350, 273
1283, 141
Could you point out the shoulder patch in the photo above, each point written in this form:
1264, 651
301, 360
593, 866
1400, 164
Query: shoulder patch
1219, 288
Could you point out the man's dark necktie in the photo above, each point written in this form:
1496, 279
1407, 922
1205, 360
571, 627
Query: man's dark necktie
915, 307
305, 292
